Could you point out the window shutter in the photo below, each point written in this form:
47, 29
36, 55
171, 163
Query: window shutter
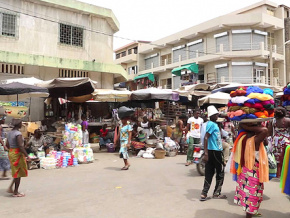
241, 41
197, 47
222, 40
257, 39
242, 74
223, 71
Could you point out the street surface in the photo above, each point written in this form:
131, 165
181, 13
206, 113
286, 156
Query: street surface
150, 188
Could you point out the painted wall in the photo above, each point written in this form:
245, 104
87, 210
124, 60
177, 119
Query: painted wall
41, 37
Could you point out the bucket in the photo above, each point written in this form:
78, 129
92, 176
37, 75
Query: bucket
160, 154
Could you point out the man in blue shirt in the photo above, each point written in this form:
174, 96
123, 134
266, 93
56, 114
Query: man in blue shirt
213, 156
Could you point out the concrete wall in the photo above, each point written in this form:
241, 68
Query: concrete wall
38, 36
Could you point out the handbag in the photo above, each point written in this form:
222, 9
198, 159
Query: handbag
272, 162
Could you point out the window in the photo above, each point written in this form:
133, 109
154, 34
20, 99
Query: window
118, 56
8, 24
65, 73
270, 11
132, 70
123, 54
71, 35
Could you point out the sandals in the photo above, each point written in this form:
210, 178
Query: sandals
19, 195
125, 168
219, 197
187, 164
257, 214
203, 198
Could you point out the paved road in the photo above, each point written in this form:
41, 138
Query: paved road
151, 188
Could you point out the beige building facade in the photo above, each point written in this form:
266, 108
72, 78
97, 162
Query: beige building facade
244, 46
50, 38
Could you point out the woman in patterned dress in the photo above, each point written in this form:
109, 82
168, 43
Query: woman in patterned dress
281, 138
125, 136
253, 168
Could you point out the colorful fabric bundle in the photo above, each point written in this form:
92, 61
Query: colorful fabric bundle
286, 97
285, 174
255, 103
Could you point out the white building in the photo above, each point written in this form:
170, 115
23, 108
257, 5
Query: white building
50, 38
244, 46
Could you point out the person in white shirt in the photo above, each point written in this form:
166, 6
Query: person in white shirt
193, 125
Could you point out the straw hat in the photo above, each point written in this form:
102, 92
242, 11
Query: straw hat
211, 110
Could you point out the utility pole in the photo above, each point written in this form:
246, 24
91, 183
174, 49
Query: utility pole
271, 65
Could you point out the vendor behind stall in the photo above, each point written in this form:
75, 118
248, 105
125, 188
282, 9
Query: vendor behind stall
38, 142
145, 124
104, 139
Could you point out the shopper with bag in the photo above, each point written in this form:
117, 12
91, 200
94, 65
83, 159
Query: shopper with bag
213, 156
193, 125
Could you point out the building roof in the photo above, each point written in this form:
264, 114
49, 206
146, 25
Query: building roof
253, 6
131, 44
85, 8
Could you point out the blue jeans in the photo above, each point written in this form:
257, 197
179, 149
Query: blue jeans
104, 141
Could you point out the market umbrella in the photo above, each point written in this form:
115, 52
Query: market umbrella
215, 98
15, 91
109, 95
154, 94
69, 87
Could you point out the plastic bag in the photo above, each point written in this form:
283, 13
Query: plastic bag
228, 165
148, 156
140, 153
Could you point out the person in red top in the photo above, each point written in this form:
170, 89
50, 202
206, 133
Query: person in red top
103, 136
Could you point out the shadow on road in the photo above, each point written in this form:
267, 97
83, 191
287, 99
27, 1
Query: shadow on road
216, 213
193, 194
113, 168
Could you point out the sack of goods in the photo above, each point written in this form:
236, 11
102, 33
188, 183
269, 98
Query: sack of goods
251, 103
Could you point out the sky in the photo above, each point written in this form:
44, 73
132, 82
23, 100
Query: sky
151, 20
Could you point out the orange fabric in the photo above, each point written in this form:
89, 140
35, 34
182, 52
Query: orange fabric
250, 153
263, 164
262, 114
233, 169
263, 159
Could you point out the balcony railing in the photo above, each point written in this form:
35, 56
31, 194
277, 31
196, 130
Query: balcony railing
217, 50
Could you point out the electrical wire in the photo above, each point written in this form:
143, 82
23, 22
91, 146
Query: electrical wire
50, 19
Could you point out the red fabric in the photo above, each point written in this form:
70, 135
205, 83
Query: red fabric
258, 106
104, 133
232, 104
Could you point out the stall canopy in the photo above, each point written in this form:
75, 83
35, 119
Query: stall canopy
150, 76
69, 87
232, 87
109, 95
154, 94
192, 67
15, 91
28, 80
216, 98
